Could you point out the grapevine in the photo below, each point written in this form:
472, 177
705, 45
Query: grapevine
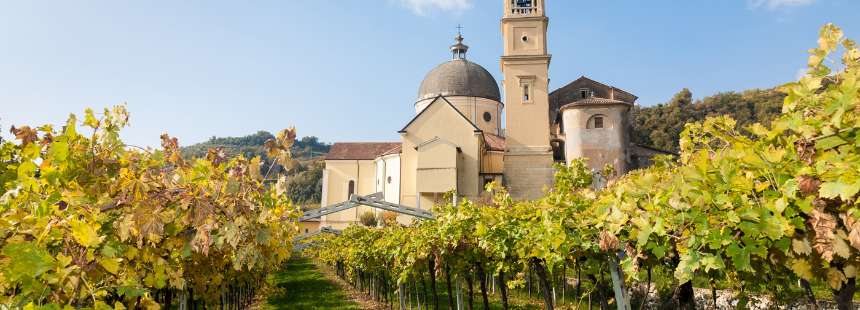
88, 221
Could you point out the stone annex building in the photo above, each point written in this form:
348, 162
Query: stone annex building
456, 141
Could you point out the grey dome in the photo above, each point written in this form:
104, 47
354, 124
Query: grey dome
459, 77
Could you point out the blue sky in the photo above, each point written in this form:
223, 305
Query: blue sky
348, 70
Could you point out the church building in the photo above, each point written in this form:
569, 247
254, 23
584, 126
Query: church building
458, 142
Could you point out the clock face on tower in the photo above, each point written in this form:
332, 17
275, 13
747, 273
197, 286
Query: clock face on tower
524, 3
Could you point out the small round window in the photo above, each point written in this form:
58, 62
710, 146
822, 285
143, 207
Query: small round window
525, 38
487, 116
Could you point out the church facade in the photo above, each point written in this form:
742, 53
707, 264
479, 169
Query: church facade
458, 142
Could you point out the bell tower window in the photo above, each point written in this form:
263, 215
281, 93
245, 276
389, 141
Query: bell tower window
527, 87
523, 7
526, 97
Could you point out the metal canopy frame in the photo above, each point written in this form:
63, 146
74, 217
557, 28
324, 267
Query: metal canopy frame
372, 200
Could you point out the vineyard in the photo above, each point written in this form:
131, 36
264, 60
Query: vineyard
757, 211
90, 222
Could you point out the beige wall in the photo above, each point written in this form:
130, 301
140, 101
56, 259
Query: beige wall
473, 108
602, 146
388, 177
308, 227
440, 125
527, 123
338, 175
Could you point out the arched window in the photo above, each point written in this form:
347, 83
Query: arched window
350, 189
597, 122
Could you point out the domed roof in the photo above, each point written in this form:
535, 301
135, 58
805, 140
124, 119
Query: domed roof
459, 77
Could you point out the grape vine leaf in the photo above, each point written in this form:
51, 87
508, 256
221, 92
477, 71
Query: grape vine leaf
802, 269
26, 261
85, 234
839, 189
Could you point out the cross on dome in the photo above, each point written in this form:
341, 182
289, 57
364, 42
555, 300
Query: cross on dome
459, 49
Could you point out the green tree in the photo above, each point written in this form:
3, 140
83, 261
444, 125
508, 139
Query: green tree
661, 125
305, 186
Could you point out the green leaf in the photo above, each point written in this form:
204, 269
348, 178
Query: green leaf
26, 169
789, 188
740, 257
90, 119
844, 191
59, 151
687, 266
829, 143
712, 262
26, 261
110, 264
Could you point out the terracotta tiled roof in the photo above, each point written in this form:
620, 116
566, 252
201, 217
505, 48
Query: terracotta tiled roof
360, 150
494, 142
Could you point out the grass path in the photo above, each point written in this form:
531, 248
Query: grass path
301, 286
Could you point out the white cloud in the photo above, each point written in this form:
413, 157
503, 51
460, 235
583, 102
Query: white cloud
775, 4
422, 7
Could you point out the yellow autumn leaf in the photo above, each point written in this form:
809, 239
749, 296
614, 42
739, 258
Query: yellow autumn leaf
110, 264
101, 306
801, 246
85, 234
63, 260
840, 246
802, 269
850, 271
835, 278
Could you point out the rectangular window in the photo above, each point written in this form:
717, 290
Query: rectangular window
598, 122
524, 3
526, 97
584, 93
526, 87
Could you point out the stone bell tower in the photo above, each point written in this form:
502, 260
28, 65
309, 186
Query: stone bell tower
525, 66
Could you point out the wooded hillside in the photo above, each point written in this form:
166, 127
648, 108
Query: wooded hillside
304, 178
660, 125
